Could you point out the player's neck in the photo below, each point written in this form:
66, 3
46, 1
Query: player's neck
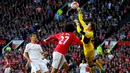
33, 42
88, 30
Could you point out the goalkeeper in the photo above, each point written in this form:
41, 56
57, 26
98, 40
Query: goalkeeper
87, 35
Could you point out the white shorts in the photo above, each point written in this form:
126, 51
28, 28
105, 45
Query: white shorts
7, 70
38, 65
58, 60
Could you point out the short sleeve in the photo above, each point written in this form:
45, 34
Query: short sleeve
26, 48
86, 65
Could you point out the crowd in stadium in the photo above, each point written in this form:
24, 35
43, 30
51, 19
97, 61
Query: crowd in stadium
18, 19
119, 63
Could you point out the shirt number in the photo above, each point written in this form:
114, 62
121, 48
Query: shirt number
64, 39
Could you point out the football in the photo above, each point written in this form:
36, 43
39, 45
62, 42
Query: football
74, 5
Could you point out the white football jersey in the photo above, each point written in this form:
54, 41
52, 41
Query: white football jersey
34, 51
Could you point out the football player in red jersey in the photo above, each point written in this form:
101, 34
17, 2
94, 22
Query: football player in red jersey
65, 39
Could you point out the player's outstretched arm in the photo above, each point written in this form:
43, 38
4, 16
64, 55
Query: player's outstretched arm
79, 30
77, 25
80, 17
54, 36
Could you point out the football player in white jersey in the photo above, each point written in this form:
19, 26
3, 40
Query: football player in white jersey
33, 53
83, 67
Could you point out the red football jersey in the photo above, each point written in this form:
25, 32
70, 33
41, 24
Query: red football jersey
65, 39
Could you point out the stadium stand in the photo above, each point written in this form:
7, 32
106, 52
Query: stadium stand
21, 17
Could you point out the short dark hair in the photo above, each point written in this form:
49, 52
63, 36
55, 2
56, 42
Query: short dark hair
69, 28
33, 34
92, 26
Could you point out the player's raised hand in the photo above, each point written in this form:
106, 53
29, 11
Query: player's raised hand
45, 41
45, 53
78, 8
79, 46
76, 21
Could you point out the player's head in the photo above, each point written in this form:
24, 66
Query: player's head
33, 37
90, 26
69, 28
83, 61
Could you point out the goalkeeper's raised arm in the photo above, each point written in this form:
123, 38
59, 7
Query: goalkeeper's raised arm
77, 25
80, 17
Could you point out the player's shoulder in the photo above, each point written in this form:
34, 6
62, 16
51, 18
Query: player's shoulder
37, 44
90, 32
69, 33
61, 33
81, 64
32, 44
28, 44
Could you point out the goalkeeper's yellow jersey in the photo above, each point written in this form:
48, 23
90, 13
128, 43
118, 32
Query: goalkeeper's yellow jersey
88, 47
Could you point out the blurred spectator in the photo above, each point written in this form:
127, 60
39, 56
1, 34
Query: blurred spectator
6, 68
